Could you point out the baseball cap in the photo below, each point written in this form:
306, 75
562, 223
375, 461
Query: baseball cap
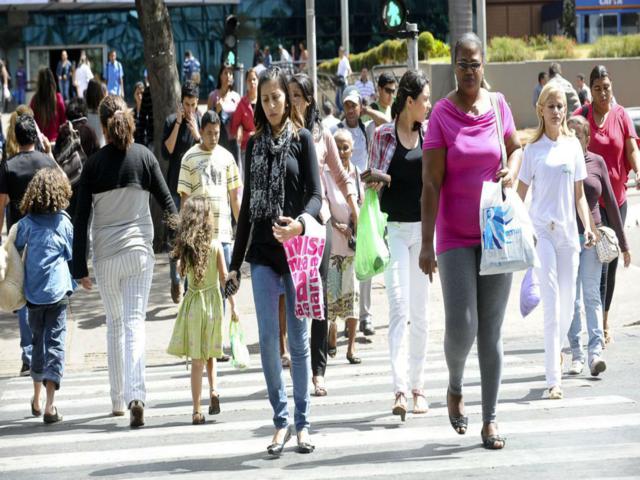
351, 94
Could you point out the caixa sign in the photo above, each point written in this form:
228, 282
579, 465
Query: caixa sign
605, 4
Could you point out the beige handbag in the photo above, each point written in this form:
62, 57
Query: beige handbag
607, 248
11, 275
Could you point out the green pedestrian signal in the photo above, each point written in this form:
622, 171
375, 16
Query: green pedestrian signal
394, 15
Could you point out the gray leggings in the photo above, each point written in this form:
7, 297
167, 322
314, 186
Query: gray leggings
474, 305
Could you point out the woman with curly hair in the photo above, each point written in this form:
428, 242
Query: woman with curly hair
116, 183
197, 332
48, 105
46, 232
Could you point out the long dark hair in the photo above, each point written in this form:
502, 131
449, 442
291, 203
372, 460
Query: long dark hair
44, 100
598, 73
260, 118
312, 116
118, 121
223, 67
94, 94
411, 85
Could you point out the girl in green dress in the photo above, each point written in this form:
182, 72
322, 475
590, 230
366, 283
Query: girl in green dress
198, 329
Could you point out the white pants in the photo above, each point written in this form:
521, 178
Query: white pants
124, 282
559, 261
407, 290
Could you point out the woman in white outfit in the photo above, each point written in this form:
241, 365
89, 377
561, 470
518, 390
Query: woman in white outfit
397, 151
553, 164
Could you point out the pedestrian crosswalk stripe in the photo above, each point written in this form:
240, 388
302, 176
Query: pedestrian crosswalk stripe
331, 441
221, 425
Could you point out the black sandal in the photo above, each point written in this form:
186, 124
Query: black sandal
353, 360
197, 418
214, 403
52, 418
458, 422
489, 442
34, 412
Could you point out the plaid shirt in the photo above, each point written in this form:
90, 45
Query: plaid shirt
384, 144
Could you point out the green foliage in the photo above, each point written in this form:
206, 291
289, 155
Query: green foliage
561, 47
391, 51
538, 42
569, 18
616, 46
507, 49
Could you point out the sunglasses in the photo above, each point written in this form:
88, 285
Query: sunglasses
474, 66
390, 91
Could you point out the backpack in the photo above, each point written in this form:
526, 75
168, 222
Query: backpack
71, 157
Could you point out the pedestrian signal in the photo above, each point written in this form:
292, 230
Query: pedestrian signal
230, 39
394, 15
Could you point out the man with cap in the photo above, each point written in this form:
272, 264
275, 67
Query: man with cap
353, 110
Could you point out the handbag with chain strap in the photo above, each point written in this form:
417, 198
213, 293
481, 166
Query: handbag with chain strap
607, 248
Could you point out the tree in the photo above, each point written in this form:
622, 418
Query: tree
164, 82
460, 20
569, 18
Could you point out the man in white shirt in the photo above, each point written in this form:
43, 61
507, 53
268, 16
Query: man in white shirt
343, 72
329, 121
365, 86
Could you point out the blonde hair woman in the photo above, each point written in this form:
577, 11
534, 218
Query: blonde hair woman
554, 164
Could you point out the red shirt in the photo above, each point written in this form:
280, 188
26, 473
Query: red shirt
609, 141
51, 130
243, 117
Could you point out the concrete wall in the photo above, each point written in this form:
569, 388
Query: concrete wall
517, 81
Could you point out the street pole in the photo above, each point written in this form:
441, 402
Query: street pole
412, 45
311, 45
344, 18
481, 9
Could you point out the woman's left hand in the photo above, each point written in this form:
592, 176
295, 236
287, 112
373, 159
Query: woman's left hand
627, 258
507, 177
589, 239
286, 228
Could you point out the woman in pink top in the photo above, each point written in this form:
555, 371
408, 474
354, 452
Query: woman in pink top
242, 126
462, 150
301, 94
48, 105
613, 137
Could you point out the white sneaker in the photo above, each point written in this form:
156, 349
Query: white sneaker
576, 367
597, 366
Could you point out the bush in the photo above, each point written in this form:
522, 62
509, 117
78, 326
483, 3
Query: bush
609, 46
538, 42
561, 47
507, 49
391, 51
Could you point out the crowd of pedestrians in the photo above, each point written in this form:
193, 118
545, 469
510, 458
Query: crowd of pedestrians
255, 172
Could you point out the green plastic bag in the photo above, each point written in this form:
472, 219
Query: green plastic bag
372, 253
239, 352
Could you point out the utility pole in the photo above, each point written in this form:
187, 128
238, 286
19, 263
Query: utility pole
344, 18
481, 9
412, 45
311, 45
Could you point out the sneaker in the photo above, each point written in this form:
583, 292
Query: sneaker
366, 327
555, 393
176, 292
576, 367
597, 366
25, 371
136, 417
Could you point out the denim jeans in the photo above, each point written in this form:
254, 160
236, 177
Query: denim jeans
26, 336
267, 286
49, 327
64, 88
589, 273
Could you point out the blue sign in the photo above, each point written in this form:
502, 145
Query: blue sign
606, 4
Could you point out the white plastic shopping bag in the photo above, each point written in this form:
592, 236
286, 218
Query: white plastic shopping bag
506, 232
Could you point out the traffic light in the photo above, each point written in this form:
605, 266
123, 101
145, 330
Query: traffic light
394, 15
230, 39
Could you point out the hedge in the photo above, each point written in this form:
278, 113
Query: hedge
561, 47
508, 49
616, 46
391, 51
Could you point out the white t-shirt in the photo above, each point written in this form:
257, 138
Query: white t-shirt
83, 75
552, 169
360, 156
344, 68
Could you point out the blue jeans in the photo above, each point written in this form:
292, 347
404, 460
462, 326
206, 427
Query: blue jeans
20, 96
25, 336
64, 88
49, 326
589, 274
267, 286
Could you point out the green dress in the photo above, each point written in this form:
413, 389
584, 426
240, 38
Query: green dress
197, 332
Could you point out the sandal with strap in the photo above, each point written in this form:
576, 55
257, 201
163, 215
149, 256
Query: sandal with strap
332, 350
400, 406
34, 412
214, 403
52, 417
197, 418
319, 388
458, 422
417, 408
353, 360
489, 441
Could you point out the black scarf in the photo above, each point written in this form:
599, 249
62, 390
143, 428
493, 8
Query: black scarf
268, 171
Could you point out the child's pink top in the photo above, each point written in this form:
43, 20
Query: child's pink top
472, 157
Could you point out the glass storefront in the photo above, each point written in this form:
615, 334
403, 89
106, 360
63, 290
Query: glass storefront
606, 17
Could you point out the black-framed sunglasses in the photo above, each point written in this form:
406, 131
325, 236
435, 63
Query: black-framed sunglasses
474, 66
390, 91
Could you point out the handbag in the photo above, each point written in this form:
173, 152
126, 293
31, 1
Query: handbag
11, 275
607, 248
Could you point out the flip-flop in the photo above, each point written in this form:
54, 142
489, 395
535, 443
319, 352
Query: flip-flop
34, 412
